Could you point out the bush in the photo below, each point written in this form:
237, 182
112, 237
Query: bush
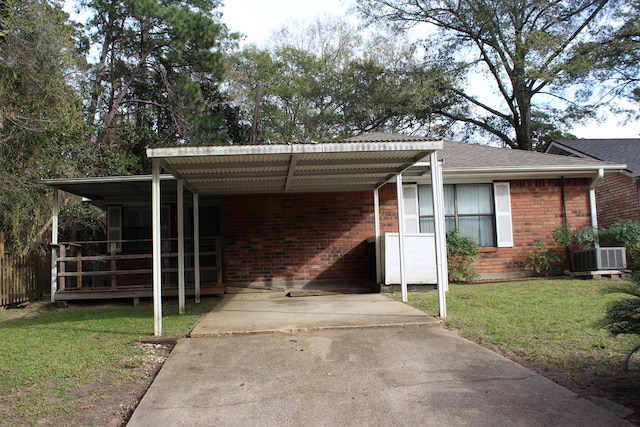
623, 233
544, 261
587, 237
462, 253
563, 238
623, 316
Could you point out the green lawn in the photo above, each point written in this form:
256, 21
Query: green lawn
50, 352
549, 324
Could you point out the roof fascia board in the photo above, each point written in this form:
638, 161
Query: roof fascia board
102, 180
346, 147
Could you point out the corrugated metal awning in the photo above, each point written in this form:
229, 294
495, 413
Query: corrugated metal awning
356, 164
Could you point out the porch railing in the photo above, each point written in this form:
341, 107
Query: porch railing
127, 264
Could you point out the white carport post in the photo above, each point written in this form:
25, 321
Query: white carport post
54, 245
157, 248
181, 296
196, 244
437, 194
376, 207
403, 272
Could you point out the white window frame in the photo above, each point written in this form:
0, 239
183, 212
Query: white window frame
502, 211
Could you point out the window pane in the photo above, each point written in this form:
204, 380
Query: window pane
450, 223
474, 199
425, 201
479, 228
427, 225
449, 205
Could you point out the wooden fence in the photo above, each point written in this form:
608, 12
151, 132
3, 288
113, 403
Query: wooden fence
24, 278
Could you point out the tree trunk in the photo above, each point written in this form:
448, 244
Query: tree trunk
524, 138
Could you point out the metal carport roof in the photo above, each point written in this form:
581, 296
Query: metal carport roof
295, 168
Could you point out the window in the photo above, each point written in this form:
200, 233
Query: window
468, 207
133, 225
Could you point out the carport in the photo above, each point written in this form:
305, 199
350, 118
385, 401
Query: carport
356, 164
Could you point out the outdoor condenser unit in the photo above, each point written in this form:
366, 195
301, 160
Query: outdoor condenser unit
595, 259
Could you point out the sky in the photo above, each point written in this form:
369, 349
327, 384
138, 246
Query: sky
257, 19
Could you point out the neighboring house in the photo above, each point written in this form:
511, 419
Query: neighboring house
310, 218
618, 194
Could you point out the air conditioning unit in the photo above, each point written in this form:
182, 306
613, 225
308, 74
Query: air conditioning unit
596, 259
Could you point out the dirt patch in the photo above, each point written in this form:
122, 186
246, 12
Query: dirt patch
108, 401
112, 403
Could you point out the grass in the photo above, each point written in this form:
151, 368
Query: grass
50, 352
550, 325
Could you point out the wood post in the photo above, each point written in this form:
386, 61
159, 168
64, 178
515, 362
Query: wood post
1, 244
112, 251
79, 266
62, 268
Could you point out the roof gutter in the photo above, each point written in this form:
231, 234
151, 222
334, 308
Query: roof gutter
544, 169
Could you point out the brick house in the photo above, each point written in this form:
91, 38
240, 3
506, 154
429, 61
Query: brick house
329, 219
617, 194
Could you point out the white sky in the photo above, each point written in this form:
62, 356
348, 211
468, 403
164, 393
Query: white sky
257, 19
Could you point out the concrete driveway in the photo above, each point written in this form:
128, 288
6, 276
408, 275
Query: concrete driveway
350, 373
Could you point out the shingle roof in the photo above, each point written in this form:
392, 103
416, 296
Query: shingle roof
625, 150
461, 155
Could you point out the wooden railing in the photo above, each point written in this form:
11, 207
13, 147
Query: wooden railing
127, 264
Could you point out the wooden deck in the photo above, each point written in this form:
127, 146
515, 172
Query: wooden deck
123, 269
135, 292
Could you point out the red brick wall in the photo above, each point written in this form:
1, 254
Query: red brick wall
536, 211
322, 236
617, 199
297, 237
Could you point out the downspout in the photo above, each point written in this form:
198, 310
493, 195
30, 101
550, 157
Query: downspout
592, 199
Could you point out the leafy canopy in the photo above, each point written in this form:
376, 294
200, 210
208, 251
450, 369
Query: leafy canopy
513, 65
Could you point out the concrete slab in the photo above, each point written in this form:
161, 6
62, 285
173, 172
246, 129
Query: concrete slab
276, 313
394, 376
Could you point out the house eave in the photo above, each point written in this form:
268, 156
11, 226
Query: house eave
531, 172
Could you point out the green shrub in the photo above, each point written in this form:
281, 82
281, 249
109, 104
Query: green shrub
562, 236
623, 233
462, 253
623, 316
544, 261
586, 237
